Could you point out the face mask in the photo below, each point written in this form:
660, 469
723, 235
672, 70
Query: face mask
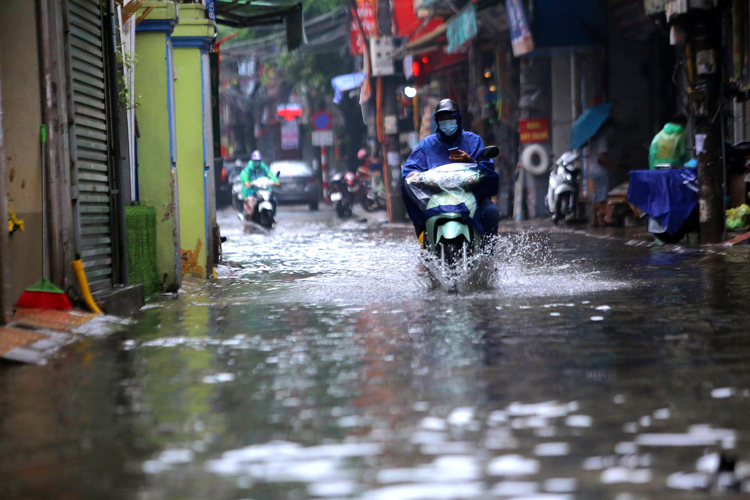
448, 127
256, 163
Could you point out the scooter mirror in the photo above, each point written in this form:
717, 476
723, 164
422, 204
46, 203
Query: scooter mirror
489, 152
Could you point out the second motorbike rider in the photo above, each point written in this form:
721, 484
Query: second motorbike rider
452, 144
254, 170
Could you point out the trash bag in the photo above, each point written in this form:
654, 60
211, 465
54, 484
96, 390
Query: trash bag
738, 217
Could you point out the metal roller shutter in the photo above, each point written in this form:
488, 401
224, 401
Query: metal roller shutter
91, 141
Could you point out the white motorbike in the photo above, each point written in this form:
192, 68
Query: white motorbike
562, 194
261, 206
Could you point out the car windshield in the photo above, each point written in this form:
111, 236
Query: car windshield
291, 169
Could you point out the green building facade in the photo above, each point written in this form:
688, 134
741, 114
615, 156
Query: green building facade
192, 39
156, 145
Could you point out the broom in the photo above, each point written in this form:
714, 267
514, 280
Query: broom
44, 294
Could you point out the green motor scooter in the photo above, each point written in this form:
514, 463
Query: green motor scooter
445, 195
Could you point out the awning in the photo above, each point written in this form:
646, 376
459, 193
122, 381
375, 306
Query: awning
323, 34
428, 38
344, 83
249, 13
406, 20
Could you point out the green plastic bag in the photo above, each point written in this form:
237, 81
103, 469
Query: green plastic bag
738, 217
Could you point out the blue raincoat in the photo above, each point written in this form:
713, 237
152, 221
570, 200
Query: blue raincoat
432, 152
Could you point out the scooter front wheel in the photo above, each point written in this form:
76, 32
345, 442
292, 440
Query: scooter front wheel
341, 210
266, 219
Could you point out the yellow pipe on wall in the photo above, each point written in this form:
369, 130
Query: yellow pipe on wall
83, 284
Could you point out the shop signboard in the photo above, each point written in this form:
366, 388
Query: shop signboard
520, 34
289, 136
366, 17
533, 130
462, 28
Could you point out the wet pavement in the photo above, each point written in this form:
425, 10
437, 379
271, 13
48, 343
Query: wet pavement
329, 368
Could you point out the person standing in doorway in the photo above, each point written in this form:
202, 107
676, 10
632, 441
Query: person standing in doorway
598, 175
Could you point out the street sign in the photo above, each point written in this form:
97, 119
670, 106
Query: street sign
322, 138
211, 9
321, 120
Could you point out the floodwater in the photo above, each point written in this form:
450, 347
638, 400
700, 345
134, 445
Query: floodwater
329, 368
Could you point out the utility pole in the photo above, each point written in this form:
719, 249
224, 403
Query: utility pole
324, 174
387, 124
705, 47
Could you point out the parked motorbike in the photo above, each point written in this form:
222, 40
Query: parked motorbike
351, 188
445, 196
562, 194
261, 206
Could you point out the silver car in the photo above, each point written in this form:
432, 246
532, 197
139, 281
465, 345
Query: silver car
299, 184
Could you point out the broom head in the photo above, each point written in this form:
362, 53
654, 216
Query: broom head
44, 295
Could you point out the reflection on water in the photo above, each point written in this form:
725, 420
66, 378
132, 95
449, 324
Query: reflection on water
326, 368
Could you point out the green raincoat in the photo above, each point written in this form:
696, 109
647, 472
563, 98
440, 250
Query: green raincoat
669, 147
251, 173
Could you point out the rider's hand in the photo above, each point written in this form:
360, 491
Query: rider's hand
458, 156
247, 184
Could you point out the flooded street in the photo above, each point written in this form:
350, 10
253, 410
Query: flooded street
328, 368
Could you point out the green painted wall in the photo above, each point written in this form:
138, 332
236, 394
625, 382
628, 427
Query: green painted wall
189, 110
157, 175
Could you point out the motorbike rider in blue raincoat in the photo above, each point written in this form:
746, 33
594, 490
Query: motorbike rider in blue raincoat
433, 151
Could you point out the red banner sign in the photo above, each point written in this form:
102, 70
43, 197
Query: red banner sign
533, 130
366, 17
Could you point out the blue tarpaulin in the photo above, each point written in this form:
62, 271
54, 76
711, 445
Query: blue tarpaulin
668, 196
343, 83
